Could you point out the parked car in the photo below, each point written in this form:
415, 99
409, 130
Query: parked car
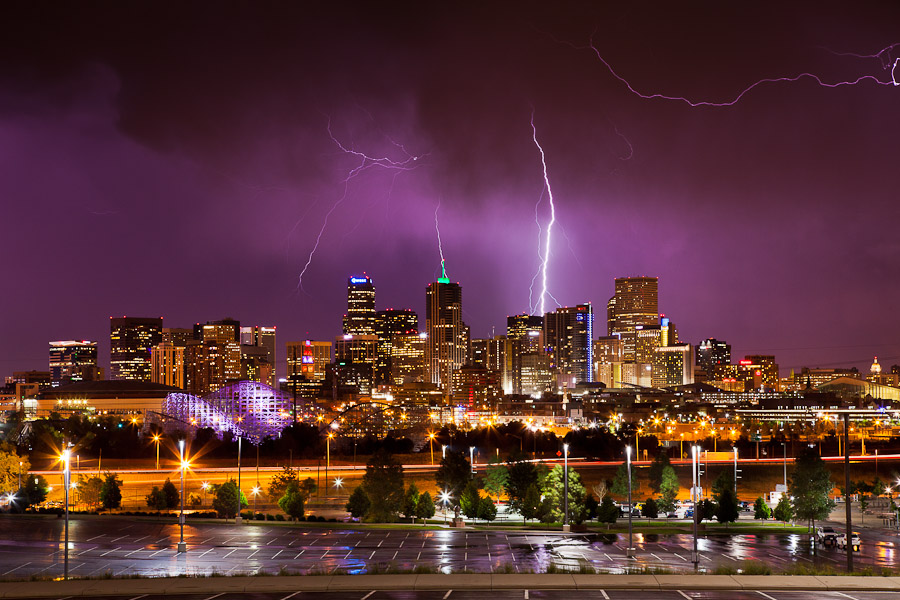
826, 535
855, 542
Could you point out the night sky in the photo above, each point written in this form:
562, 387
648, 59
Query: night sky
174, 159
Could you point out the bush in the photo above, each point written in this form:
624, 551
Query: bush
259, 516
270, 517
279, 517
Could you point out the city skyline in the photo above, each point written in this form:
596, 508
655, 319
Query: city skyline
193, 182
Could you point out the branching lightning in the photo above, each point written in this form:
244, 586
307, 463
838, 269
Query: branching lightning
366, 162
545, 260
440, 247
742, 93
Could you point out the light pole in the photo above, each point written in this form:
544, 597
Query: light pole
156, 439
182, 547
328, 453
66, 455
20, 475
566, 487
630, 552
445, 498
255, 492
785, 463
472, 459
695, 496
237, 516
681, 447
431, 445
736, 471
443, 451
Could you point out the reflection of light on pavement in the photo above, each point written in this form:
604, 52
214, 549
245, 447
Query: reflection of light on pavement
793, 542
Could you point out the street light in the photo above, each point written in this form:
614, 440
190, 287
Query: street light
443, 451
255, 492
472, 459
156, 439
66, 456
565, 487
695, 496
630, 552
328, 453
431, 445
182, 547
237, 517
445, 498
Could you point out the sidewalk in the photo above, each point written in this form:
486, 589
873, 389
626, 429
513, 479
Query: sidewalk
364, 583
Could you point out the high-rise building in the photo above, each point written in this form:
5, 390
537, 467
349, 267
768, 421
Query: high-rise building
130, 341
489, 353
476, 387
167, 364
636, 302
308, 359
177, 336
672, 366
73, 360
408, 358
712, 353
211, 364
447, 342
262, 337
525, 337
223, 330
568, 338
758, 371
388, 324
360, 317
354, 361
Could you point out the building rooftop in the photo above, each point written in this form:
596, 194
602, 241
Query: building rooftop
109, 389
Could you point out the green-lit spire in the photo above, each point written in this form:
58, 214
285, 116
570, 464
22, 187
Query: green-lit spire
443, 278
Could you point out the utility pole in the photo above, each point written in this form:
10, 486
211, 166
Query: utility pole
847, 491
695, 558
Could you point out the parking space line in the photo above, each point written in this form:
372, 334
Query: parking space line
526, 594
846, 595
117, 539
138, 597
215, 596
290, 596
447, 595
764, 595
371, 555
605, 595
685, 595
367, 595
96, 536
19, 567
207, 552
680, 556
113, 550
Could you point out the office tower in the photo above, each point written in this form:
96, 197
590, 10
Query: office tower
167, 363
672, 366
255, 365
388, 324
260, 337
130, 341
72, 361
525, 337
758, 371
568, 338
447, 341
636, 302
223, 330
408, 358
476, 388
308, 359
489, 353
177, 336
535, 376
211, 364
710, 354
360, 317
608, 349
354, 361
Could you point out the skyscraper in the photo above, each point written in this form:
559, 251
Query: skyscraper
525, 338
710, 354
130, 341
72, 361
446, 344
360, 317
389, 324
568, 338
263, 337
636, 302
408, 358
167, 364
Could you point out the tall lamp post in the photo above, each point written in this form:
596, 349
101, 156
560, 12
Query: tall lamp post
695, 496
66, 456
182, 547
431, 445
472, 459
237, 517
630, 551
156, 439
445, 498
566, 526
328, 453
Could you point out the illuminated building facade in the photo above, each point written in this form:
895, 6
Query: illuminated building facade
255, 364
260, 337
711, 354
210, 365
72, 361
224, 330
476, 388
568, 338
167, 364
177, 336
636, 302
354, 361
489, 353
360, 317
758, 371
408, 358
389, 324
130, 341
447, 342
672, 366
309, 359
525, 338
536, 378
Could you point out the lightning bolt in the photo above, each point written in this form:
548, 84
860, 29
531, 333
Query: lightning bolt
366, 162
546, 255
883, 55
745, 91
440, 247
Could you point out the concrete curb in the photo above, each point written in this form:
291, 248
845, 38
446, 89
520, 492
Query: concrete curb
461, 581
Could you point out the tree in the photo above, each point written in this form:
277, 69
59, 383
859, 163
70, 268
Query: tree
707, 510
11, 467
383, 483
173, 498
293, 502
452, 475
225, 502
656, 469
727, 510
34, 491
783, 510
620, 483
487, 510
591, 506
761, 510
608, 512
810, 486
723, 481
410, 502
87, 490
496, 477
651, 510
156, 499
279, 482
521, 475
530, 505
878, 488
358, 504
668, 487
111, 492
425, 507
469, 500
194, 500
554, 495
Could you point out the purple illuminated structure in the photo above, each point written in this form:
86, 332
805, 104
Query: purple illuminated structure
247, 409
